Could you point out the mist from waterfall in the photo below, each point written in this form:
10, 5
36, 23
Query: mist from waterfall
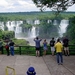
63, 25
33, 32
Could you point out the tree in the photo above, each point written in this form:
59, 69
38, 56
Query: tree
1, 33
71, 30
8, 35
56, 5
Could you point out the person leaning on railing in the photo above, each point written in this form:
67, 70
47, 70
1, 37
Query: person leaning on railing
1, 47
11, 45
37, 46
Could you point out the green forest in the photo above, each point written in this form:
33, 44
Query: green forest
47, 30
33, 15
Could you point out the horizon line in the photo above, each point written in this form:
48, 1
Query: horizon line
33, 11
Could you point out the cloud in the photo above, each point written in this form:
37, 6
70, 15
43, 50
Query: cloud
3, 3
20, 6
17, 6
27, 5
72, 8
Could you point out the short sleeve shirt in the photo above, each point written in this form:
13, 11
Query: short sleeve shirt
37, 42
58, 47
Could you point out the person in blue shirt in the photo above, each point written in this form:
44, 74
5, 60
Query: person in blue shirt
11, 44
37, 46
45, 46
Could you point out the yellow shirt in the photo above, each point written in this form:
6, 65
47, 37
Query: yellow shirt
58, 46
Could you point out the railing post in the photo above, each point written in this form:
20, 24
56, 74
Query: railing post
20, 50
2, 50
41, 51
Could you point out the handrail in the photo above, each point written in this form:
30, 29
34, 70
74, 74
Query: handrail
21, 49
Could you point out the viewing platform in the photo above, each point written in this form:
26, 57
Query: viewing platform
44, 65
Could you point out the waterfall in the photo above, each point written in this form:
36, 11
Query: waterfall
15, 26
55, 22
2, 25
18, 28
37, 22
63, 25
33, 32
10, 25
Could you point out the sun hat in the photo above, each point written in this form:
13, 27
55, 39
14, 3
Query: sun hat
31, 71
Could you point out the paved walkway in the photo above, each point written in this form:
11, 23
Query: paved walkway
45, 65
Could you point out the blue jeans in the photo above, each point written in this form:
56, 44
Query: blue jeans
12, 50
59, 57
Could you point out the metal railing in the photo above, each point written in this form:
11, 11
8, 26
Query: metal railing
30, 50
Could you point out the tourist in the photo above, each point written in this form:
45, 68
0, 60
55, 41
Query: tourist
59, 48
52, 42
31, 71
37, 43
45, 46
11, 44
1, 47
66, 46
7, 48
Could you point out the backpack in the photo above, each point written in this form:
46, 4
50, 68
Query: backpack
6, 46
52, 43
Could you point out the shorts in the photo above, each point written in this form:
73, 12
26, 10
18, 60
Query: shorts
66, 48
52, 49
37, 49
45, 48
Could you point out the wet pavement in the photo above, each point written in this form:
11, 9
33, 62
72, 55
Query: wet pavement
45, 65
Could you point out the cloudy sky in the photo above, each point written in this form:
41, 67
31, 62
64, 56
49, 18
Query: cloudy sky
21, 6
